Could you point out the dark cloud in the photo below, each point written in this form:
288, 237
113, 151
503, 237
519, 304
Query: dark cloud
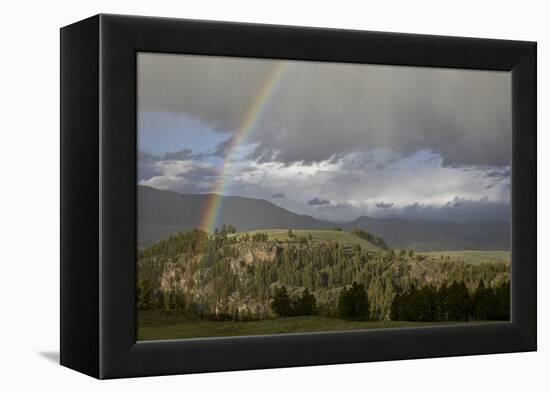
324, 109
186, 174
318, 202
350, 186
146, 157
336, 206
454, 203
500, 177
499, 172
459, 209
192, 179
184, 154
367, 140
223, 148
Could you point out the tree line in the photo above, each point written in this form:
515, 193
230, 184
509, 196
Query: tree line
452, 303
374, 239
285, 306
426, 304
353, 303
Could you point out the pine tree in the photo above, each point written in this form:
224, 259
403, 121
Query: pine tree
480, 302
502, 308
459, 302
396, 305
306, 304
442, 302
281, 304
345, 303
453, 302
144, 295
353, 302
491, 303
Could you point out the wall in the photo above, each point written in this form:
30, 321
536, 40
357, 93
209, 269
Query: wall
29, 212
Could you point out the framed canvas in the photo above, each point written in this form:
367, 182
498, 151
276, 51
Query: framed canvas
240, 196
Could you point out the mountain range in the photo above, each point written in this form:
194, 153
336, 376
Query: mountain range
162, 213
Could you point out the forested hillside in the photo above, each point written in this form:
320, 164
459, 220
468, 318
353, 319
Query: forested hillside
247, 276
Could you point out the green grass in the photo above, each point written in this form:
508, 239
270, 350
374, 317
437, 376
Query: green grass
317, 235
159, 325
473, 257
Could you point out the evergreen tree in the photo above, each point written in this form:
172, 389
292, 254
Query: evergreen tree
442, 303
281, 304
491, 304
145, 295
306, 304
353, 302
502, 307
396, 307
345, 303
427, 302
478, 301
485, 303
459, 302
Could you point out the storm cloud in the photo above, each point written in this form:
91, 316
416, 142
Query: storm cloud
318, 202
183, 154
335, 141
322, 109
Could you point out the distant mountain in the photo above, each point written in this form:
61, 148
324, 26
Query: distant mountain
428, 235
162, 213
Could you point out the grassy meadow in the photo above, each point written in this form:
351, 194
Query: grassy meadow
162, 325
473, 257
320, 235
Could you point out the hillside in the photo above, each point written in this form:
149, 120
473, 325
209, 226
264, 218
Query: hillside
229, 275
343, 237
471, 256
429, 235
165, 212
162, 213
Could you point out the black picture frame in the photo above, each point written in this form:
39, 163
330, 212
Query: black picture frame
98, 196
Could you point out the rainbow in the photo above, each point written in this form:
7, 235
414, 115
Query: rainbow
252, 115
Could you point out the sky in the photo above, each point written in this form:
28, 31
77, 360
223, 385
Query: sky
332, 140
